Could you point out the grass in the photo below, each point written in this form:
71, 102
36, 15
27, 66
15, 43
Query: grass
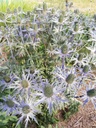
84, 6
12, 4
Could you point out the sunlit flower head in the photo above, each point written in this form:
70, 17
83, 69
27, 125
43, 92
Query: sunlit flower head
68, 76
51, 94
6, 81
85, 71
89, 94
27, 111
9, 105
80, 59
25, 84
64, 50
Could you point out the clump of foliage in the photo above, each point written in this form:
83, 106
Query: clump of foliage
50, 56
8, 121
45, 119
70, 109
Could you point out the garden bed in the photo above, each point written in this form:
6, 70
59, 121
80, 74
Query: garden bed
47, 68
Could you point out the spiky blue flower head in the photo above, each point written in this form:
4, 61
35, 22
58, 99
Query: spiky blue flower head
51, 94
6, 81
92, 54
66, 49
85, 71
80, 59
25, 34
89, 94
9, 105
27, 111
25, 84
77, 27
68, 76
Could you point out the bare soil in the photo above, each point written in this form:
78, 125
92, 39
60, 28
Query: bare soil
84, 118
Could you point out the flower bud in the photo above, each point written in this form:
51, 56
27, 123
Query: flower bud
26, 109
15, 10
19, 9
76, 27
61, 18
7, 79
70, 78
24, 83
10, 103
85, 68
53, 10
91, 92
28, 13
48, 91
64, 49
44, 6
80, 57
35, 26
8, 10
76, 11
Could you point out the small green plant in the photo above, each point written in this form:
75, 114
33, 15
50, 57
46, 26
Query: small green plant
46, 119
50, 126
71, 109
8, 121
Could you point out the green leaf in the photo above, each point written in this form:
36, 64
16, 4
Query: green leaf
50, 126
42, 127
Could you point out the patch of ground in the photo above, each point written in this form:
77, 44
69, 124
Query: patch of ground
84, 118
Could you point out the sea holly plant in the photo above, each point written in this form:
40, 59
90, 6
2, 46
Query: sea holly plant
50, 56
